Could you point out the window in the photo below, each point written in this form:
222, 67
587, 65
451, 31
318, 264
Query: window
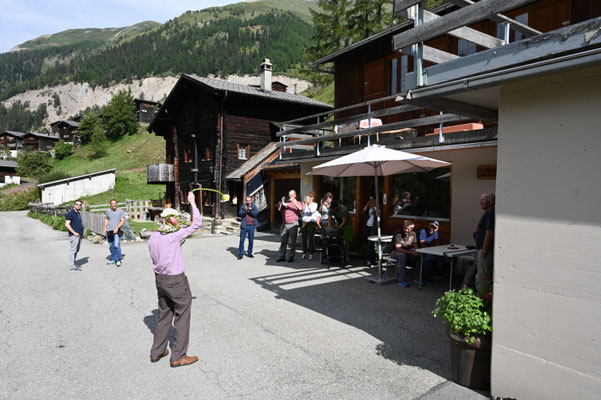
343, 190
205, 152
188, 155
243, 151
422, 194
394, 76
465, 47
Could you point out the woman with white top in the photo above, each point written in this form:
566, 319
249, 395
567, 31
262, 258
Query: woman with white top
310, 218
369, 212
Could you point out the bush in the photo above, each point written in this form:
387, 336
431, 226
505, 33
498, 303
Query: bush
18, 201
62, 149
53, 175
98, 143
33, 163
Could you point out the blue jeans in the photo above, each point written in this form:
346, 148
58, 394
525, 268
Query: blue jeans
115, 247
250, 231
401, 263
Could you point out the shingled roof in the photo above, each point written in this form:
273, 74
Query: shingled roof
222, 85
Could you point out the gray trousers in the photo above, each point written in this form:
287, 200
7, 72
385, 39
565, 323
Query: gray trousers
74, 245
289, 233
175, 305
484, 265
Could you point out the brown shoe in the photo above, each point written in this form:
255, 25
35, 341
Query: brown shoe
155, 359
185, 360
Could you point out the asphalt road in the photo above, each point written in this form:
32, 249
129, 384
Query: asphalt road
261, 330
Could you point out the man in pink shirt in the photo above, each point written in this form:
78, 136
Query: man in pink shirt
173, 290
290, 212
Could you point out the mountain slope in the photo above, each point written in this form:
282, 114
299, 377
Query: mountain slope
217, 40
97, 35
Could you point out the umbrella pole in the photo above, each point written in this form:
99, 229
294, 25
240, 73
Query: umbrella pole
380, 280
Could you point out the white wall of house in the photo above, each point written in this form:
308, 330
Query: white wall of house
547, 293
306, 181
70, 190
466, 188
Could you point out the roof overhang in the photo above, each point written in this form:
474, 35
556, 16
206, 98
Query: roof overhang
475, 79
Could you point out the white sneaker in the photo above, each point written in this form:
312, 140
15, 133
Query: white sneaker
118, 263
304, 255
310, 256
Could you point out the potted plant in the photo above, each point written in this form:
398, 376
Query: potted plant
469, 320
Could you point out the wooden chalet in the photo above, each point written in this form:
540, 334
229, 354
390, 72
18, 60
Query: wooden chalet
145, 109
12, 140
212, 127
39, 141
65, 129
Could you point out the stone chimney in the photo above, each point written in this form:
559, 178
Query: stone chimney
266, 70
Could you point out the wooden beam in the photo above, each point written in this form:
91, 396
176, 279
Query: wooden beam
373, 114
437, 56
401, 5
457, 19
458, 107
500, 18
466, 33
433, 120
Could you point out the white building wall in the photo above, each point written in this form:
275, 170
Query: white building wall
547, 293
69, 191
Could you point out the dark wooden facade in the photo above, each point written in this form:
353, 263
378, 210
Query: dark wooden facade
11, 140
38, 141
205, 128
146, 110
65, 130
366, 73
7, 168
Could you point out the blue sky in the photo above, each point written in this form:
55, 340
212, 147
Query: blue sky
22, 20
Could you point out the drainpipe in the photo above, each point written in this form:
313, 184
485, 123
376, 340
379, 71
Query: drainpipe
176, 201
218, 210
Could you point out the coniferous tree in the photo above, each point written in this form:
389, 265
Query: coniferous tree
120, 116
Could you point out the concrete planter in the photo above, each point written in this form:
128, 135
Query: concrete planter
470, 362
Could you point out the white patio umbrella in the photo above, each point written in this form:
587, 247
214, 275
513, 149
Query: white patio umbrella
377, 161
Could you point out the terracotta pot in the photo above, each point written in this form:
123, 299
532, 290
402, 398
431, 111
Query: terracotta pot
470, 362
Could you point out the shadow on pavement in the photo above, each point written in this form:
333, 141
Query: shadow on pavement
400, 318
81, 261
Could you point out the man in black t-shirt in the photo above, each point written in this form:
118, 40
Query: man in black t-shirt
74, 225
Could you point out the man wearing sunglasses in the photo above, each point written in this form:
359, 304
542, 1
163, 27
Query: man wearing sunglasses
74, 225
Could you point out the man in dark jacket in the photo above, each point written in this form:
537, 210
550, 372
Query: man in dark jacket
248, 213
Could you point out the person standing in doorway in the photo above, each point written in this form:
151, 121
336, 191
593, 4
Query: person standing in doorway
113, 221
290, 211
74, 225
248, 212
173, 289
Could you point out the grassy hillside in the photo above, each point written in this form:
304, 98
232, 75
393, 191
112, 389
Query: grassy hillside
72, 36
129, 156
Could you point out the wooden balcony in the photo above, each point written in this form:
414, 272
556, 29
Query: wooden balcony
160, 173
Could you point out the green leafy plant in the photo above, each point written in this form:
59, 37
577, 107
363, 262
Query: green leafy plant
465, 313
